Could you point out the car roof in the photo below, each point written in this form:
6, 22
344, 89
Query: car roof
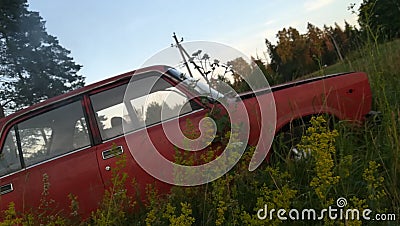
76, 92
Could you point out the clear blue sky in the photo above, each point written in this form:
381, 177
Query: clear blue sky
112, 37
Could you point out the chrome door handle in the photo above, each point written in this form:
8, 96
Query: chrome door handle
4, 189
112, 152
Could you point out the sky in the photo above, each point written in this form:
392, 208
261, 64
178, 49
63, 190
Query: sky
112, 37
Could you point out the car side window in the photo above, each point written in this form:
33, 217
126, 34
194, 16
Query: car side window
108, 106
140, 107
81, 134
9, 157
171, 101
53, 133
44, 136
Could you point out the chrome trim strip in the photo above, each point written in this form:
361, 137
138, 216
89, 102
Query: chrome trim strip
57, 157
46, 161
12, 173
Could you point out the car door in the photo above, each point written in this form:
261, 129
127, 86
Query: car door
11, 172
122, 115
57, 160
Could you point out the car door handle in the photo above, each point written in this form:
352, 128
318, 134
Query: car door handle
112, 152
4, 189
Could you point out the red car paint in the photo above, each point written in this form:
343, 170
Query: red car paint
84, 170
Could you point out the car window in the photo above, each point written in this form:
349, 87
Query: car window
9, 157
81, 134
35, 142
53, 133
108, 107
139, 107
171, 101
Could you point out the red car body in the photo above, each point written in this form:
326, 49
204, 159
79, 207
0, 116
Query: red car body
68, 138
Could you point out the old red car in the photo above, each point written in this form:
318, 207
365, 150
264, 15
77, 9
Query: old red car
69, 138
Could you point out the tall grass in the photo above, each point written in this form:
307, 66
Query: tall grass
380, 142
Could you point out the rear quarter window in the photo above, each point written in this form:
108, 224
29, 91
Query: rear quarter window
9, 156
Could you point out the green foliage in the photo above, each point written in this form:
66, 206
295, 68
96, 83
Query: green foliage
296, 55
45, 214
11, 217
276, 193
182, 220
377, 17
319, 142
374, 182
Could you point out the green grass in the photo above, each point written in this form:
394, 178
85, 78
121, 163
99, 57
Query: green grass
372, 59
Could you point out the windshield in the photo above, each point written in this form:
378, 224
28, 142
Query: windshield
195, 83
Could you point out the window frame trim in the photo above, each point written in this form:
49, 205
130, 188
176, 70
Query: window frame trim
19, 147
13, 125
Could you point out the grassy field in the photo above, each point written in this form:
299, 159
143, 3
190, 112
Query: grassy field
360, 164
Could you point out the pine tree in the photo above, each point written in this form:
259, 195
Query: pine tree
33, 66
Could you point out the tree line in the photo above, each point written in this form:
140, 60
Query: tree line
295, 55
